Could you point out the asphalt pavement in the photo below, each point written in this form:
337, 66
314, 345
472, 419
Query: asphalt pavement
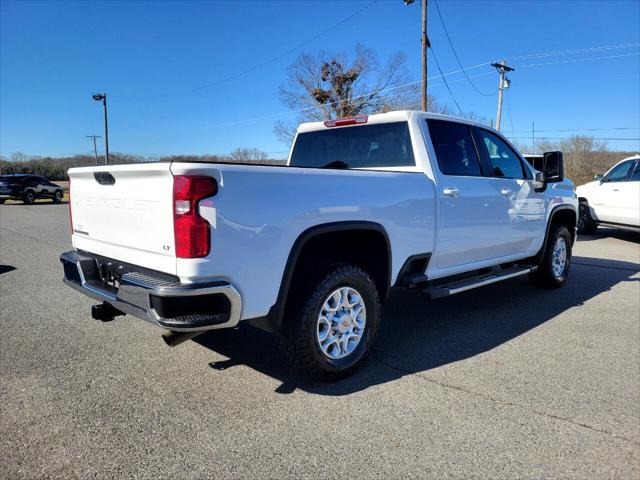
507, 381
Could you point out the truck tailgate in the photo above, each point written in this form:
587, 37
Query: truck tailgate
125, 212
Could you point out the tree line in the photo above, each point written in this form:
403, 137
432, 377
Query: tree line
56, 168
584, 156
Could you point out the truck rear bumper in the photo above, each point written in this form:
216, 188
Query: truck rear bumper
155, 298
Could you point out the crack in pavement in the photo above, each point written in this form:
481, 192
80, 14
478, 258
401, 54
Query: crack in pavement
499, 401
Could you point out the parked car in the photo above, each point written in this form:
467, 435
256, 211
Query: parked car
28, 188
612, 199
310, 250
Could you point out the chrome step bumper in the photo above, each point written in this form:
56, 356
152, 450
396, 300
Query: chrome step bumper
157, 299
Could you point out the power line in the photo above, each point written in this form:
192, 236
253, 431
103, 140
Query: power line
262, 64
409, 84
388, 89
577, 129
433, 53
455, 54
575, 51
579, 60
569, 138
397, 87
573, 82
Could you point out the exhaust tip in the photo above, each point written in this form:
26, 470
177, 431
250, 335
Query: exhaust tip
173, 339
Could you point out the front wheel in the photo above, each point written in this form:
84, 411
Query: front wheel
556, 259
586, 224
331, 333
57, 197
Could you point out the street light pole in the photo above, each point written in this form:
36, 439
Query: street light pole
97, 97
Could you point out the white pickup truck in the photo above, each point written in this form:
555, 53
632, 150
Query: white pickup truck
311, 249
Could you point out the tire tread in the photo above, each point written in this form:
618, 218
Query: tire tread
293, 338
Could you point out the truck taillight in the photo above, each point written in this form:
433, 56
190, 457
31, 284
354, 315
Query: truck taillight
192, 233
70, 213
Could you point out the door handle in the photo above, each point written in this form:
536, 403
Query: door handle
506, 192
450, 192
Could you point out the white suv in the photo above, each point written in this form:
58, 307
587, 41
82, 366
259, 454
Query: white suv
613, 199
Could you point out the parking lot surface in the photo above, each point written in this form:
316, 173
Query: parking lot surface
507, 381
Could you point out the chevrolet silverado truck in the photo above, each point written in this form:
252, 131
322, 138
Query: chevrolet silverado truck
311, 250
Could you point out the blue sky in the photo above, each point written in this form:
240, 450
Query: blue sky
152, 57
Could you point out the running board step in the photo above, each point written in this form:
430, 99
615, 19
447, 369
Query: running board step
446, 289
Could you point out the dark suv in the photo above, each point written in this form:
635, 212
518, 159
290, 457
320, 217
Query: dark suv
28, 188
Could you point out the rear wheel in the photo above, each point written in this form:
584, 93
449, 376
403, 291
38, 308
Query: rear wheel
556, 260
329, 332
586, 224
29, 197
57, 197
2, 200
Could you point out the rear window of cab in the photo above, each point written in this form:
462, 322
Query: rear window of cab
363, 146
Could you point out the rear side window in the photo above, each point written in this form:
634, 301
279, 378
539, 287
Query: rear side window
635, 176
454, 147
363, 146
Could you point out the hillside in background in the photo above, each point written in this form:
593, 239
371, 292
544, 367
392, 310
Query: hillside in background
56, 168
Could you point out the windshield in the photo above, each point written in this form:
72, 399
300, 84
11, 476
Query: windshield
364, 146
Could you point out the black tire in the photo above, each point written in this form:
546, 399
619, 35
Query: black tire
57, 197
2, 200
586, 224
546, 276
29, 197
299, 333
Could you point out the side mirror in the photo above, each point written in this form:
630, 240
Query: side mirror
538, 182
598, 176
553, 167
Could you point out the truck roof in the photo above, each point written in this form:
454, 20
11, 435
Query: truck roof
388, 117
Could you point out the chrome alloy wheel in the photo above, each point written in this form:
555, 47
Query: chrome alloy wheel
559, 257
341, 323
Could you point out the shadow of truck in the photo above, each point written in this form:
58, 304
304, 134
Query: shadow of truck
420, 334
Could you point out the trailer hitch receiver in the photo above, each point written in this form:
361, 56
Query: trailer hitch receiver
105, 312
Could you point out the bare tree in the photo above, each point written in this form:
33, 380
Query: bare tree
584, 156
248, 155
327, 86
521, 146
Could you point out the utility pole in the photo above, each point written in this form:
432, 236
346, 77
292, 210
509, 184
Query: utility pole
502, 68
425, 46
533, 137
97, 97
95, 148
